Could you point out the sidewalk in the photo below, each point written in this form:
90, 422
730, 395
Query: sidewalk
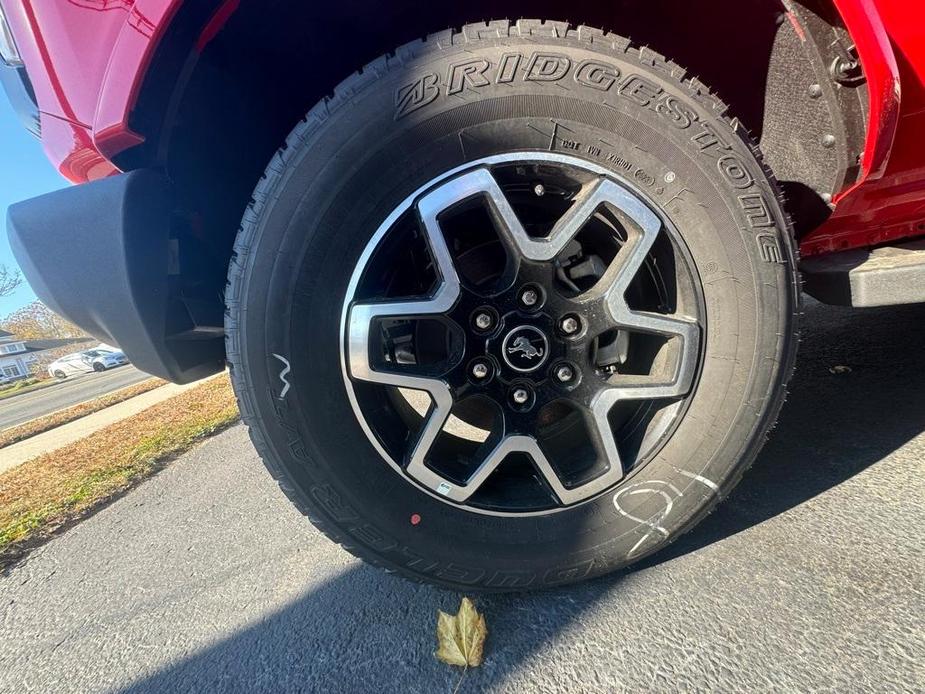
19, 453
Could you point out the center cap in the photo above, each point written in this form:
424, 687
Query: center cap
525, 348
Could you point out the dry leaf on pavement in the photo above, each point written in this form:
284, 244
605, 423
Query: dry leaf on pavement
461, 637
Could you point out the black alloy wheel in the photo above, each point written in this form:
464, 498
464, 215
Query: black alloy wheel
549, 357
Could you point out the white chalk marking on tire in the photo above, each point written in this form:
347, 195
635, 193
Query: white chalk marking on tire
700, 478
283, 374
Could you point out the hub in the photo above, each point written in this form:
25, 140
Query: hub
525, 349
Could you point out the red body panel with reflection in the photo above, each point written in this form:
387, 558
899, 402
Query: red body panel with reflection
888, 202
87, 60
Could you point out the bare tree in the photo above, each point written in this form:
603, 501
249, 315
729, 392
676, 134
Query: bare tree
9, 280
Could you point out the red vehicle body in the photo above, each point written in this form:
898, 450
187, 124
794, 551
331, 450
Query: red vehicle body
87, 60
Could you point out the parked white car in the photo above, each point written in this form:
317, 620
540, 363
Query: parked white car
97, 359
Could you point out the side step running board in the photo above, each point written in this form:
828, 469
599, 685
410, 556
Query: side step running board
884, 276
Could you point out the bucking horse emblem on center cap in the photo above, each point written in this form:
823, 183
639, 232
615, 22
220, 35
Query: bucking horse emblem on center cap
522, 345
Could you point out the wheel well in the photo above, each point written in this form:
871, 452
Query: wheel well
214, 117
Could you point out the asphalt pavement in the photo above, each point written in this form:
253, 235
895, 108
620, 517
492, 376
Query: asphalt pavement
809, 578
71, 391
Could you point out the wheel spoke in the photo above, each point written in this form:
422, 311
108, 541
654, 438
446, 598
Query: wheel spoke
363, 315
589, 199
417, 460
606, 445
633, 254
512, 443
681, 330
586, 203
684, 333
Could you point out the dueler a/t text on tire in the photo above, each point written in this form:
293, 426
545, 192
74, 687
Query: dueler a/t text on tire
441, 228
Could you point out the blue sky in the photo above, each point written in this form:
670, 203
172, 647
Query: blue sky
24, 173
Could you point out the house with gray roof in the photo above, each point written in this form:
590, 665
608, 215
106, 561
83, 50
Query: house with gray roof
17, 356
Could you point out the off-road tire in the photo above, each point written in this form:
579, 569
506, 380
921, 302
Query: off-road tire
436, 104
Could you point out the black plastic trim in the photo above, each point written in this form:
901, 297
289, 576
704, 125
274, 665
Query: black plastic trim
106, 255
865, 277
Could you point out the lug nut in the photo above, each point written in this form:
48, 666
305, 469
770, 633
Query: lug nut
565, 373
570, 325
480, 370
529, 297
483, 320
539, 190
520, 396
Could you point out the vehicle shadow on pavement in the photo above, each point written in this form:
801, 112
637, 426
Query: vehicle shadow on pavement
366, 631
363, 628
833, 425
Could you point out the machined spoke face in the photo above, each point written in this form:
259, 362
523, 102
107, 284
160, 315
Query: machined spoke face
559, 334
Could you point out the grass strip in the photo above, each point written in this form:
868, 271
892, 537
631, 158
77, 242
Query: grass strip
26, 386
52, 492
40, 425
